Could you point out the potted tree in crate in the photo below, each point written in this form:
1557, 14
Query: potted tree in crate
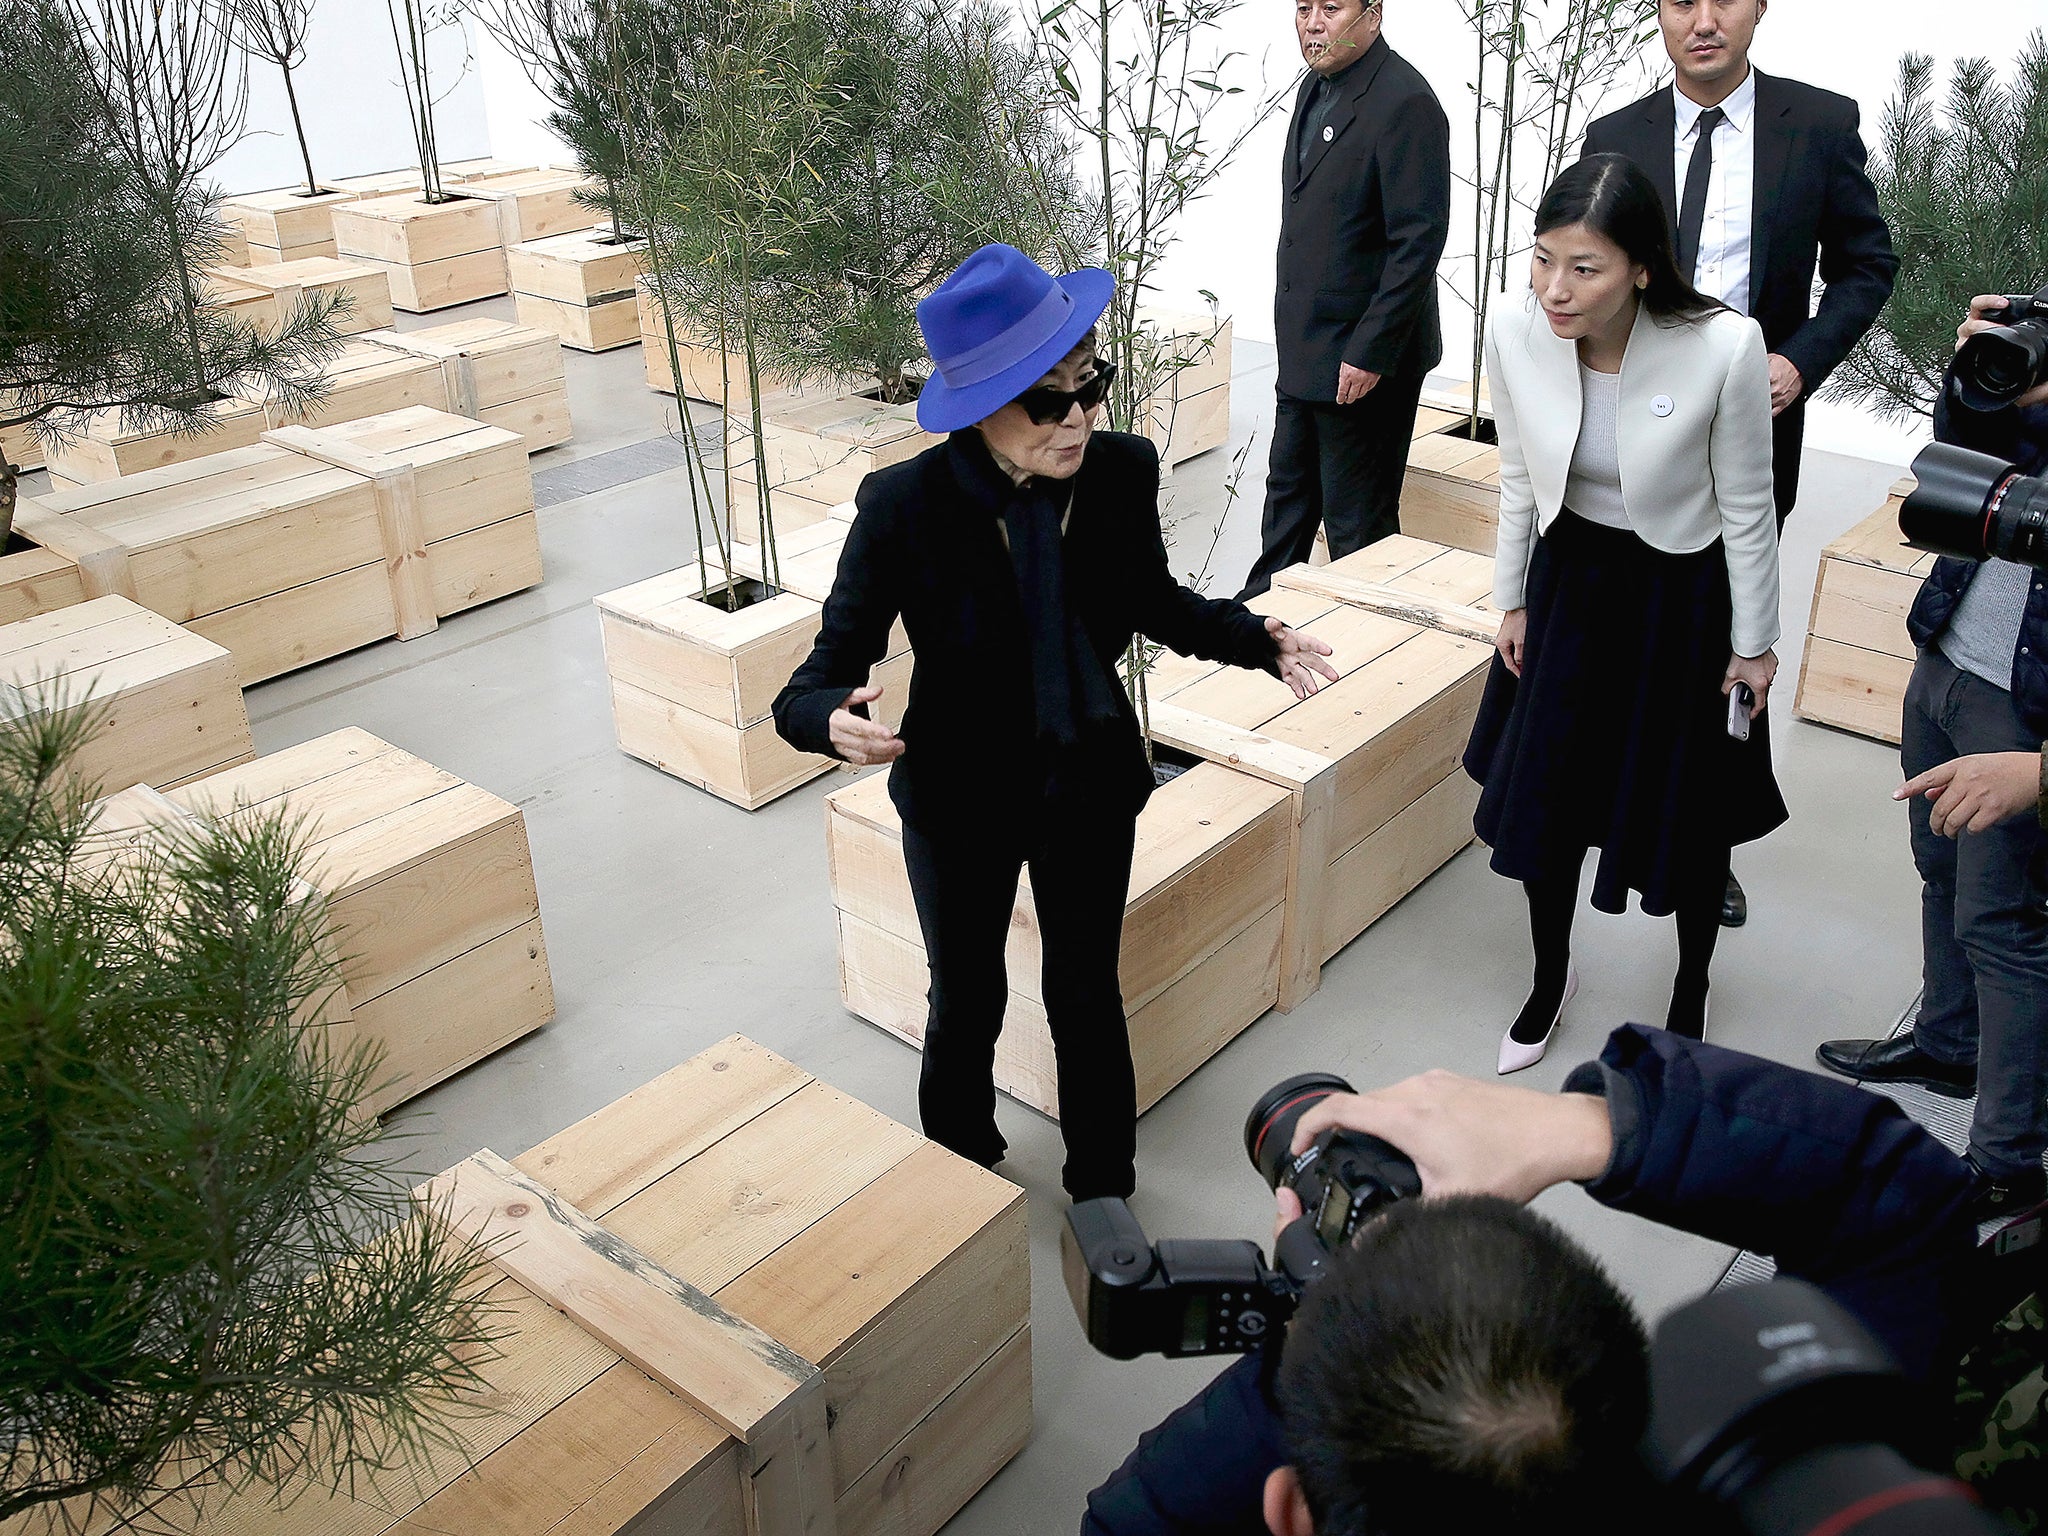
106, 320
209, 1272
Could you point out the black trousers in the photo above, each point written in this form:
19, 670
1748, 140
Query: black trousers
965, 888
1338, 466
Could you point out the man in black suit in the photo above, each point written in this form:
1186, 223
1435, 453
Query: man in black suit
1764, 181
1366, 207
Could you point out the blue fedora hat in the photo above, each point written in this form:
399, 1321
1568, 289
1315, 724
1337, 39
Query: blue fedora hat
996, 327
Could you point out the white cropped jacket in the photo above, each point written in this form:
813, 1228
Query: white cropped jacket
1694, 435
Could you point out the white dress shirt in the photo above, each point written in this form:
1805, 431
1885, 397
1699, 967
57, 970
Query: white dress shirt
1722, 268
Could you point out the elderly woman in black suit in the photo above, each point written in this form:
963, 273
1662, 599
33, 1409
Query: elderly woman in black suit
1022, 555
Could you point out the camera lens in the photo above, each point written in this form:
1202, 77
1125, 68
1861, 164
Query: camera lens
1269, 1129
1976, 507
1995, 367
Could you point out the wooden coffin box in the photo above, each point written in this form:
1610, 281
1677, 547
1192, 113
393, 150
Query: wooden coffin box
1428, 584
579, 287
367, 289
1451, 491
1203, 928
23, 448
705, 367
170, 701
313, 542
381, 183
734, 1303
803, 435
497, 372
462, 172
1372, 762
431, 898
533, 205
286, 224
435, 254
692, 683
1858, 654
52, 562
1190, 413
364, 378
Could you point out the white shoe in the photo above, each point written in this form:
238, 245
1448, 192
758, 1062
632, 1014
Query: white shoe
1514, 1055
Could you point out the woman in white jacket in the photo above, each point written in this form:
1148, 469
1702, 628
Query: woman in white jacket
1637, 572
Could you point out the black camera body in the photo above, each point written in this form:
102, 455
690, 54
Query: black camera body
1995, 367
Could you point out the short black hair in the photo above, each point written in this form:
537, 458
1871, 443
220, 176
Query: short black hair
1463, 1366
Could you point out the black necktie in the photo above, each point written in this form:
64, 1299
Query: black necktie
1692, 209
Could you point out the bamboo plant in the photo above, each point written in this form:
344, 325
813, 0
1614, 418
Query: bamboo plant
211, 1273
103, 303
414, 24
1965, 191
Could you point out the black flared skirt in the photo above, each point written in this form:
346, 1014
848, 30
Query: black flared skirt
1616, 735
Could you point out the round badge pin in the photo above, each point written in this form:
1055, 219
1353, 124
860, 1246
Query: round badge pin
1661, 406
1329, 134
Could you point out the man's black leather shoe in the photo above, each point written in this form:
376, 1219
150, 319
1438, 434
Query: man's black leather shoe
1994, 1199
1734, 905
1898, 1061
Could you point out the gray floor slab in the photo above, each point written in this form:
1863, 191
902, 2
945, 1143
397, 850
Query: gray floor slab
674, 919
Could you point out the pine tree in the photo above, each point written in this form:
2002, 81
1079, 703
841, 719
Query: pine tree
1965, 191
209, 1273
103, 302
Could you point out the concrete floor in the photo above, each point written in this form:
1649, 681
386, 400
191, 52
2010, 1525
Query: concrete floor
674, 919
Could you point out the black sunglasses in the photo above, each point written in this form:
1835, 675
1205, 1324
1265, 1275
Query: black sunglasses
1048, 406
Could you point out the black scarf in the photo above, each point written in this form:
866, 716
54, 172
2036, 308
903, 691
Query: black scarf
1072, 693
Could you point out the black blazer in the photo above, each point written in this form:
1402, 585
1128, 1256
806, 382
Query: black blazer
1814, 208
1361, 230
924, 547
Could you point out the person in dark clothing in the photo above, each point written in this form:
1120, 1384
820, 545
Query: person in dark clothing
1979, 686
1365, 209
1763, 182
1836, 1184
1022, 554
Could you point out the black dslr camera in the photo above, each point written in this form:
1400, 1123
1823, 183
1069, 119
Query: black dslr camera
1215, 1296
1995, 367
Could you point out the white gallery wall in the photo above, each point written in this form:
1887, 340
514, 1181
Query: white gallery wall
356, 124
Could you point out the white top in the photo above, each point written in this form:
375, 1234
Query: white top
1721, 270
1692, 432
1592, 488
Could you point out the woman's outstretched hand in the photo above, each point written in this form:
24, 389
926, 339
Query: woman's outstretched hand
860, 741
1300, 656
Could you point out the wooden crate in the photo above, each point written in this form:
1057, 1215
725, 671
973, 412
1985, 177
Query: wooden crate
364, 378
705, 368
805, 435
220, 289
579, 286
383, 184
497, 372
431, 898
367, 288
533, 205
461, 172
1858, 654
234, 247
692, 684
1428, 584
798, 1318
52, 562
172, 699
1190, 414
435, 254
1203, 924
1451, 491
23, 448
286, 224
1372, 762
315, 541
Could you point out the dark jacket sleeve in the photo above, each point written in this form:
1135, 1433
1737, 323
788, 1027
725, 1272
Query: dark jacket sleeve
1830, 1180
1201, 1472
1215, 629
853, 634
1857, 264
1415, 197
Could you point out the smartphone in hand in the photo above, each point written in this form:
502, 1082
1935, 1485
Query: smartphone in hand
1741, 706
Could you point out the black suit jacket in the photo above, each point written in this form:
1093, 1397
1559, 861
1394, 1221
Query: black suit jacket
1814, 209
1361, 229
923, 547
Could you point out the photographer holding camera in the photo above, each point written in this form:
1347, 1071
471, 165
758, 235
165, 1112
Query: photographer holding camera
1976, 715
1459, 1364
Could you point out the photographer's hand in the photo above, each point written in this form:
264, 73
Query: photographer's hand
1471, 1137
1972, 794
1982, 305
